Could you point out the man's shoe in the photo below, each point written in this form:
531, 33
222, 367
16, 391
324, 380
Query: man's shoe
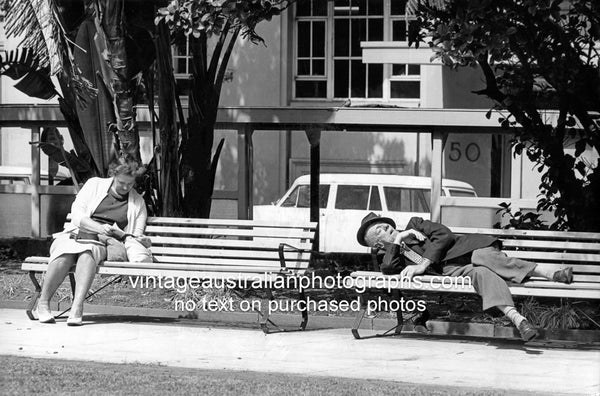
420, 323
564, 275
528, 332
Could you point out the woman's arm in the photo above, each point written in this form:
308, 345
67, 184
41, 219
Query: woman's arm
87, 224
141, 216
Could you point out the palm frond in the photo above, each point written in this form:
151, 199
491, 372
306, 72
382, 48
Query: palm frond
22, 64
35, 21
413, 5
16, 63
38, 22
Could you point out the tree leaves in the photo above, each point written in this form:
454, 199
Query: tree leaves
22, 64
195, 17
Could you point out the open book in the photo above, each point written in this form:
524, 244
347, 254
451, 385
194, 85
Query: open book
118, 233
92, 237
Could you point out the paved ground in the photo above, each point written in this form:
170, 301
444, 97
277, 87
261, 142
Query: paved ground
332, 352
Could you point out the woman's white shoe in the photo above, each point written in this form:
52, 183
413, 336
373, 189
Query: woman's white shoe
44, 314
74, 321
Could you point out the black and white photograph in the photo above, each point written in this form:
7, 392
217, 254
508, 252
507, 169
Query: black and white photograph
300, 197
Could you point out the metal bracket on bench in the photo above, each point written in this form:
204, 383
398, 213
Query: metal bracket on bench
361, 314
281, 250
264, 320
419, 324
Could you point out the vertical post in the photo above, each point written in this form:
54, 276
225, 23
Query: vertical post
437, 157
245, 172
314, 138
35, 183
516, 182
284, 160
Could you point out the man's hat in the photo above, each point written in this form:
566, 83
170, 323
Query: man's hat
368, 221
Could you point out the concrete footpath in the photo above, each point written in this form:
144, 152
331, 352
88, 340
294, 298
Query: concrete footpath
500, 364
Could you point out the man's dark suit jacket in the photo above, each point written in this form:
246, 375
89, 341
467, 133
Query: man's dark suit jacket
441, 246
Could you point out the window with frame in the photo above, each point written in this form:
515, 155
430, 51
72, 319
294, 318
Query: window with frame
357, 197
328, 57
401, 199
300, 197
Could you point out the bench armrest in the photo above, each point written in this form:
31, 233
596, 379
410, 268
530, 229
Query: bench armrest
282, 249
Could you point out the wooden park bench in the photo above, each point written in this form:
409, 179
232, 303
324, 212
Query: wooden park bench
552, 250
254, 251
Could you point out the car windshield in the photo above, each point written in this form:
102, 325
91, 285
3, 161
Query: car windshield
300, 197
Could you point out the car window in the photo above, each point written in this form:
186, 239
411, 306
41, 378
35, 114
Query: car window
401, 199
300, 197
14, 180
461, 193
352, 197
374, 201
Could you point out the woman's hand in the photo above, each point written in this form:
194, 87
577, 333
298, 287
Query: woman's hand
105, 229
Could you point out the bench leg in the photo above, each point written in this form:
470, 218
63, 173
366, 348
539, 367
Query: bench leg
361, 314
35, 297
304, 311
264, 313
264, 320
72, 283
359, 317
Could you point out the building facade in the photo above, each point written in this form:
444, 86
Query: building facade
316, 57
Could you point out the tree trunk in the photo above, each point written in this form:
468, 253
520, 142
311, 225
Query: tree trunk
113, 24
196, 158
170, 191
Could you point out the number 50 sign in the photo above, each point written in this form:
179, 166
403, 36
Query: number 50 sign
471, 151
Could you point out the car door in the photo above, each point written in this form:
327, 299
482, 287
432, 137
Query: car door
348, 206
402, 203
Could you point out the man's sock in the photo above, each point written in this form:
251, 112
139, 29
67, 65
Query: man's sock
542, 273
512, 314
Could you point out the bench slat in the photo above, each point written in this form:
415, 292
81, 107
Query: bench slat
212, 232
431, 284
253, 254
264, 277
226, 222
231, 261
262, 243
221, 273
521, 234
197, 267
550, 245
554, 256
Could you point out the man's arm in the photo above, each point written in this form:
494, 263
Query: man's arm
440, 240
392, 262
440, 237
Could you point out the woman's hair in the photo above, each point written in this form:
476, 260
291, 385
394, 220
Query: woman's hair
125, 166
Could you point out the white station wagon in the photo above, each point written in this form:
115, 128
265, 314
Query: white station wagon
344, 199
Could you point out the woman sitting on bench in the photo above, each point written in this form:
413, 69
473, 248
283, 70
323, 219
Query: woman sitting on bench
104, 208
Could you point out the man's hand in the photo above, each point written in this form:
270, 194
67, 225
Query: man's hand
401, 236
417, 234
411, 270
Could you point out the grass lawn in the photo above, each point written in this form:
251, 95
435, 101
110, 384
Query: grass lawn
23, 376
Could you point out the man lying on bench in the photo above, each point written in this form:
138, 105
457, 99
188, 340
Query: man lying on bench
432, 247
